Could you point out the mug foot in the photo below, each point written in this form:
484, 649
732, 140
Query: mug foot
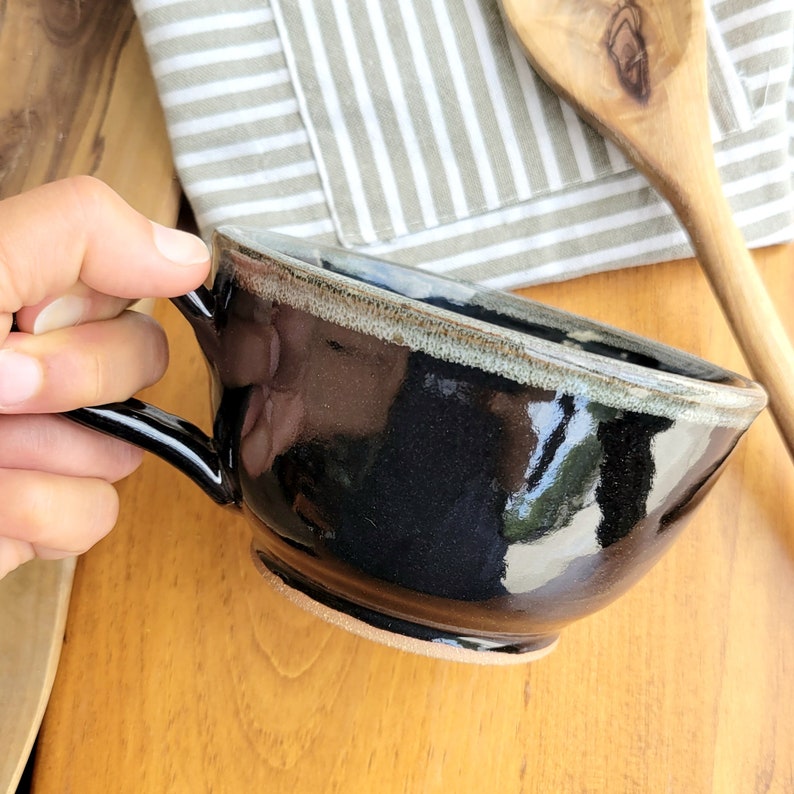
392, 632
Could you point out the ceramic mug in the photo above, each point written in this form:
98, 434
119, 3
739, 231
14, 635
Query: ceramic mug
434, 464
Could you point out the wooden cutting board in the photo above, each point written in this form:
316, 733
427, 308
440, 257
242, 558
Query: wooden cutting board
33, 604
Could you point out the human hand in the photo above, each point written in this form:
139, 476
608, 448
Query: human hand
73, 257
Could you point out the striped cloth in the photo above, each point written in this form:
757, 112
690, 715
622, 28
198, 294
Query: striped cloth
416, 131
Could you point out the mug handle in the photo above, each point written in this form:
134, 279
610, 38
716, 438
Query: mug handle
183, 445
178, 442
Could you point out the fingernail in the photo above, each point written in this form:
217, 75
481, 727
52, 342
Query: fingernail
180, 247
64, 312
21, 377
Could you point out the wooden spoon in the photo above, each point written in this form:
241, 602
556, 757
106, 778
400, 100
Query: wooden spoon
636, 71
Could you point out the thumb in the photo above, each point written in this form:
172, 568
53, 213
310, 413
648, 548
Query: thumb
79, 230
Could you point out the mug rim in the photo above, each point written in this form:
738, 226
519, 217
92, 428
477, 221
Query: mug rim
303, 277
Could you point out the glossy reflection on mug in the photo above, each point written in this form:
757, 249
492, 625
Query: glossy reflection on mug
443, 465
406, 482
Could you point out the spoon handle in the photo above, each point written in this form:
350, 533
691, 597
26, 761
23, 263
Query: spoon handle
654, 107
734, 278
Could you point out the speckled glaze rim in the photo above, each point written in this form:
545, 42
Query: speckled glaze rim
297, 277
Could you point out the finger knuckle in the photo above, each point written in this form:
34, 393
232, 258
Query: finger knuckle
126, 460
88, 191
94, 379
102, 517
12, 280
55, 512
151, 348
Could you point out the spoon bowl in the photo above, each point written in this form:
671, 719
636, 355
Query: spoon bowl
636, 71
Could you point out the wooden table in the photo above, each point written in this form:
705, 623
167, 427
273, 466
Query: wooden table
183, 671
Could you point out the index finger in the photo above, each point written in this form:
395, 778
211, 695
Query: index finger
79, 230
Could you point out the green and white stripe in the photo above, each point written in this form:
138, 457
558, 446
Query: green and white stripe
417, 131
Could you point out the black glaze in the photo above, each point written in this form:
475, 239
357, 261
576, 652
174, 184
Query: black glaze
379, 620
180, 443
420, 495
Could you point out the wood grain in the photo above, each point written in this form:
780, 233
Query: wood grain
655, 107
80, 100
184, 672
33, 604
